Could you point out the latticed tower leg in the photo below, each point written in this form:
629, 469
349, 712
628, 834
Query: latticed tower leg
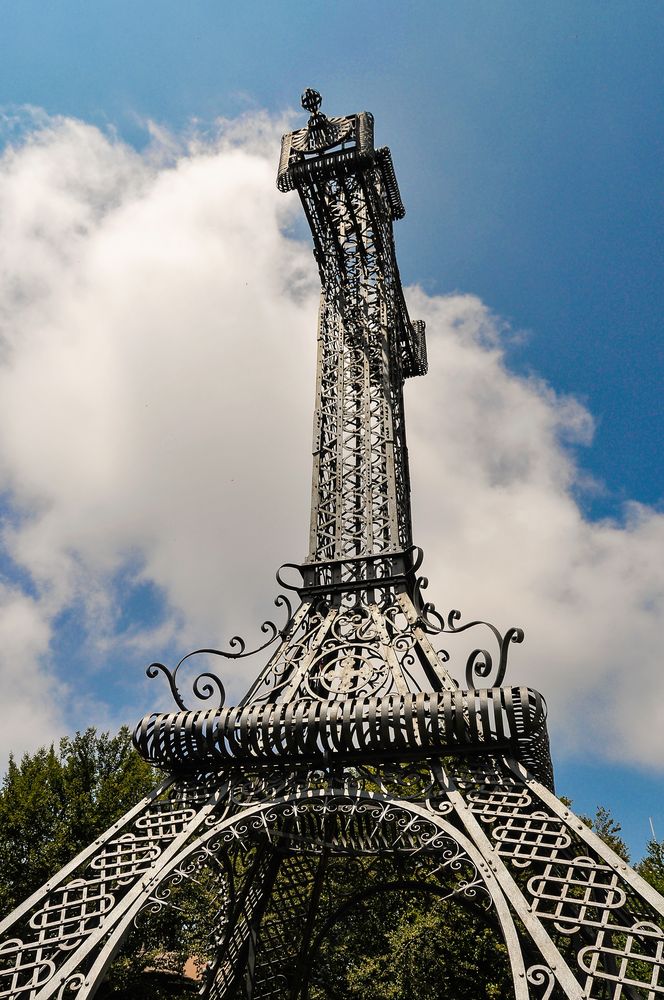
569, 889
50, 943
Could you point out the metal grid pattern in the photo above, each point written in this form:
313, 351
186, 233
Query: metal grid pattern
71, 913
366, 346
605, 921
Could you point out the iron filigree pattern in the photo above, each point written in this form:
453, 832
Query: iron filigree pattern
206, 684
347, 650
370, 641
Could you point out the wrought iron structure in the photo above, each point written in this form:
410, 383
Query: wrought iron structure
355, 739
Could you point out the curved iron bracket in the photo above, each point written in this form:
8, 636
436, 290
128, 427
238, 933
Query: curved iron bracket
206, 684
480, 662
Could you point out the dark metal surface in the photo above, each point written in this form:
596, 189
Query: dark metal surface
356, 738
395, 728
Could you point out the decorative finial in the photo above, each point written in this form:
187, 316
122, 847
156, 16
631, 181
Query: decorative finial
311, 100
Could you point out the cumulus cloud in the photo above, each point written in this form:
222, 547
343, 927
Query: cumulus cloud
154, 381
157, 328
33, 698
494, 486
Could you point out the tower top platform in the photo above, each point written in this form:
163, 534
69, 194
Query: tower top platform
328, 146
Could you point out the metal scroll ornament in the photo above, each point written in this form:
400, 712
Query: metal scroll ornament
207, 684
481, 665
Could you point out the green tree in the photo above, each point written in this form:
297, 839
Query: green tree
408, 944
53, 803
606, 828
651, 868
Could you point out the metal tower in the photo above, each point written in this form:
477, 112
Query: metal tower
355, 739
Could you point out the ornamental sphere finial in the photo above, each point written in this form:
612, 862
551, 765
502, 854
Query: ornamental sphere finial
311, 100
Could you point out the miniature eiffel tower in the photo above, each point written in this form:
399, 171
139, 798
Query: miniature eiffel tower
354, 740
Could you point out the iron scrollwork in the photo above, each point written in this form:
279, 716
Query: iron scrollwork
543, 979
480, 662
206, 684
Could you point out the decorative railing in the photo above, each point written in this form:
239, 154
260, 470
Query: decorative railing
509, 721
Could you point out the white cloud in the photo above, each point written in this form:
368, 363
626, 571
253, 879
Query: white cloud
156, 382
32, 698
506, 541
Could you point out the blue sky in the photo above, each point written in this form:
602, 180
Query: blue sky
532, 134
528, 144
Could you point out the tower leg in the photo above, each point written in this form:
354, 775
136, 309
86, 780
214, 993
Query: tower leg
598, 925
49, 944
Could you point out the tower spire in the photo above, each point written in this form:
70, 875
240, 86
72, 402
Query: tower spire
367, 343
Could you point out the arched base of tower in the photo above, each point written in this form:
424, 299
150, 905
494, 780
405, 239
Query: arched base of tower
268, 855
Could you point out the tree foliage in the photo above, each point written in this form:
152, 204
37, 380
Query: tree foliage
53, 803
401, 945
651, 868
606, 828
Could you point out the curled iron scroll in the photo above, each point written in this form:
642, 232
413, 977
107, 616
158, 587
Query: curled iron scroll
481, 664
430, 619
542, 976
206, 684
285, 583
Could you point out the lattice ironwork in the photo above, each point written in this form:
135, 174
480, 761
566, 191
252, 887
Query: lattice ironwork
360, 738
